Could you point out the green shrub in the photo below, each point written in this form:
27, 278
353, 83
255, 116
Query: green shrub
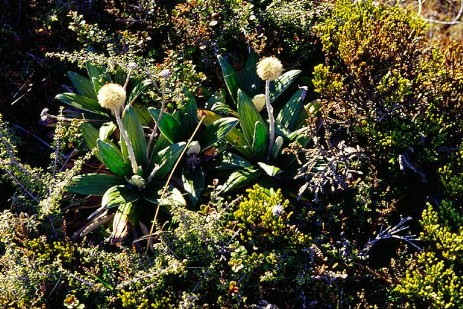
435, 276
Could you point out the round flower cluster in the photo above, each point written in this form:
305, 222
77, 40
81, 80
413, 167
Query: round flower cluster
112, 96
269, 68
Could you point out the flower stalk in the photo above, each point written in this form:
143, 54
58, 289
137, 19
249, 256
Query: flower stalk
112, 96
269, 69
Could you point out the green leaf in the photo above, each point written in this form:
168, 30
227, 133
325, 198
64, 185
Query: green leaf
136, 134
223, 109
93, 184
118, 195
81, 102
96, 84
169, 126
164, 160
232, 161
234, 137
249, 80
249, 115
82, 84
289, 114
281, 83
106, 130
96, 75
260, 140
230, 76
90, 135
216, 131
300, 136
269, 169
188, 115
138, 90
193, 182
240, 178
112, 158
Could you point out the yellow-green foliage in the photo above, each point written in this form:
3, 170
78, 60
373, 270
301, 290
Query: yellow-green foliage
265, 218
435, 276
267, 239
451, 175
374, 50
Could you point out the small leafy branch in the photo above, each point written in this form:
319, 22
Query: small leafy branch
391, 232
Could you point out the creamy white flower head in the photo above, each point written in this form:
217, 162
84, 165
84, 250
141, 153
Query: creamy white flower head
112, 96
269, 68
259, 101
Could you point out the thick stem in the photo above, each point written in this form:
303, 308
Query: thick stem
132, 159
271, 119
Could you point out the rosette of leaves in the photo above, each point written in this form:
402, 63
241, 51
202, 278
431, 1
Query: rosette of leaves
126, 195
249, 157
179, 126
84, 102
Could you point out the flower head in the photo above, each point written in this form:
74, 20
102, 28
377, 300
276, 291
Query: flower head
269, 68
112, 96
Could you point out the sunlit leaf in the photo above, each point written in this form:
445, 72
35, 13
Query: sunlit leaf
93, 184
112, 158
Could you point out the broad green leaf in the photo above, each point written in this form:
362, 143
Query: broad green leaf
136, 134
240, 178
125, 213
93, 184
231, 161
234, 137
169, 126
112, 158
82, 84
230, 76
163, 161
300, 136
83, 103
188, 115
223, 109
90, 135
269, 169
281, 83
260, 140
138, 90
216, 131
173, 197
96, 84
142, 113
249, 80
289, 114
118, 195
106, 130
193, 182
249, 115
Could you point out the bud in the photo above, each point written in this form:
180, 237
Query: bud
165, 73
112, 96
194, 148
259, 101
269, 68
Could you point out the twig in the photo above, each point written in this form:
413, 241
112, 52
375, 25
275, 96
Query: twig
164, 190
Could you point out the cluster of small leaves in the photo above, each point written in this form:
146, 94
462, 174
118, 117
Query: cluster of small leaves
269, 250
435, 278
